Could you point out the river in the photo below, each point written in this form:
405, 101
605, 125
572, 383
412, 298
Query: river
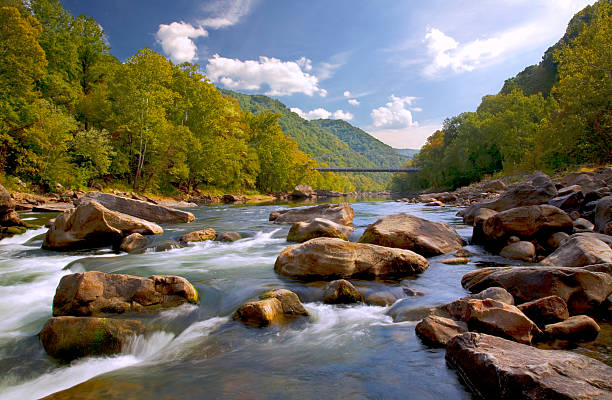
341, 352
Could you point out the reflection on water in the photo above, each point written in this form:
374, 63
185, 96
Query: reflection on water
199, 351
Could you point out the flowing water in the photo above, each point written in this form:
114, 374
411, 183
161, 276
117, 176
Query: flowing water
341, 352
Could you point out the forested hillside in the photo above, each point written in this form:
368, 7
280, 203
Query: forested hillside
72, 114
551, 116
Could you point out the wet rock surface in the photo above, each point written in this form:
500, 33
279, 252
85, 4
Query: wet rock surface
341, 214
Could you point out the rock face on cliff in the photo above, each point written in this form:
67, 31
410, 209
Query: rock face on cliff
341, 214
138, 208
329, 258
495, 368
93, 225
94, 293
408, 232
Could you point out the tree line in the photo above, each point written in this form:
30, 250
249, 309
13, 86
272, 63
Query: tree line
519, 130
73, 114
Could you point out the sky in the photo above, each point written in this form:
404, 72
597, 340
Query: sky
394, 68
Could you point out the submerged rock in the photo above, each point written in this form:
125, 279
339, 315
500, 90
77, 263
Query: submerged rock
275, 306
229, 237
341, 291
341, 214
329, 258
318, 227
92, 293
496, 368
437, 331
67, 338
93, 225
408, 232
138, 208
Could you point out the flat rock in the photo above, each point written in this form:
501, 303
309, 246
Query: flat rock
436, 331
330, 258
138, 208
496, 368
92, 293
581, 289
575, 329
303, 231
408, 232
67, 338
579, 251
93, 225
339, 213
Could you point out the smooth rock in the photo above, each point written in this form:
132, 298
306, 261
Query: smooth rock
93, 225
526, 222
437, 331
341, 291
275, 306
556, 239
92, 293
575, 329
339, 213
329, 258
138, 208
496, 368
303, 191
546, 310
583, 225
524, 251
67, 338
133, 242
303, 231
579, 251
199, 236
455, 260
408, 232
581, 289
229, 237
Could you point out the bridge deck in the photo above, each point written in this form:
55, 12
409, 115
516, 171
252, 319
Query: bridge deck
367, 169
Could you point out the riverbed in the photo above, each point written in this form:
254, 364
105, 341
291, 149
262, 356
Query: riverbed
341, 352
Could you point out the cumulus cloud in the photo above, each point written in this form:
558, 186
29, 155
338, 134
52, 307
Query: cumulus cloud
353, 102
395, 114
176, 39
321, 113
283, 78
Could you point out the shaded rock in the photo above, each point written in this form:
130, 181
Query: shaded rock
480, 216
568, 189
93, 225
579, 251
199, 236
526, 222
575, 329
587, 181
434, 203
339, 213
233, 198
92, 293
133, 242
341, 292
545, 310
275, 306
8, 215
68, 338
406, 310
318, 227
166, 245
607, 239
581, 289
437, 331
495, 368
408, 232
328, 193
230, 237
303, 191
137, 208
382, 298
455, 261
329, 258
463, 253
538, 191
493, 186
569, 202
583, 225
522, 250
603, 215
556, 239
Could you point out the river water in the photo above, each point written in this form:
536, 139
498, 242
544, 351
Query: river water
341, 352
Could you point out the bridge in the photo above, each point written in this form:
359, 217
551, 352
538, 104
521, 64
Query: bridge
368, 169
329, 157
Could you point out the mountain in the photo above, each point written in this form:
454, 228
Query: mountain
407, 152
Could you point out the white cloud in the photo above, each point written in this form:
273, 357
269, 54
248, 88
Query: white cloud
321, 113
282, 77
347, 94
353, 102
395, 114
176, 40
413, 137
224, 13
446, 53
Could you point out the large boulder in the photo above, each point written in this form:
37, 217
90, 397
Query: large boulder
436, 331
538, 191
579, 251
274, 307
303, 231
303, 192
331, 258
93, 225
575, 329
93, 293
526, 222
587, 181
545, 310
603, 215
199, 236
133, 242
341, 291
495, 368
581, 289
480, 216
67, 338
408, 232
138, 208
339, 213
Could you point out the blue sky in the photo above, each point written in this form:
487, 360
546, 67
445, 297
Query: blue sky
394, 68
